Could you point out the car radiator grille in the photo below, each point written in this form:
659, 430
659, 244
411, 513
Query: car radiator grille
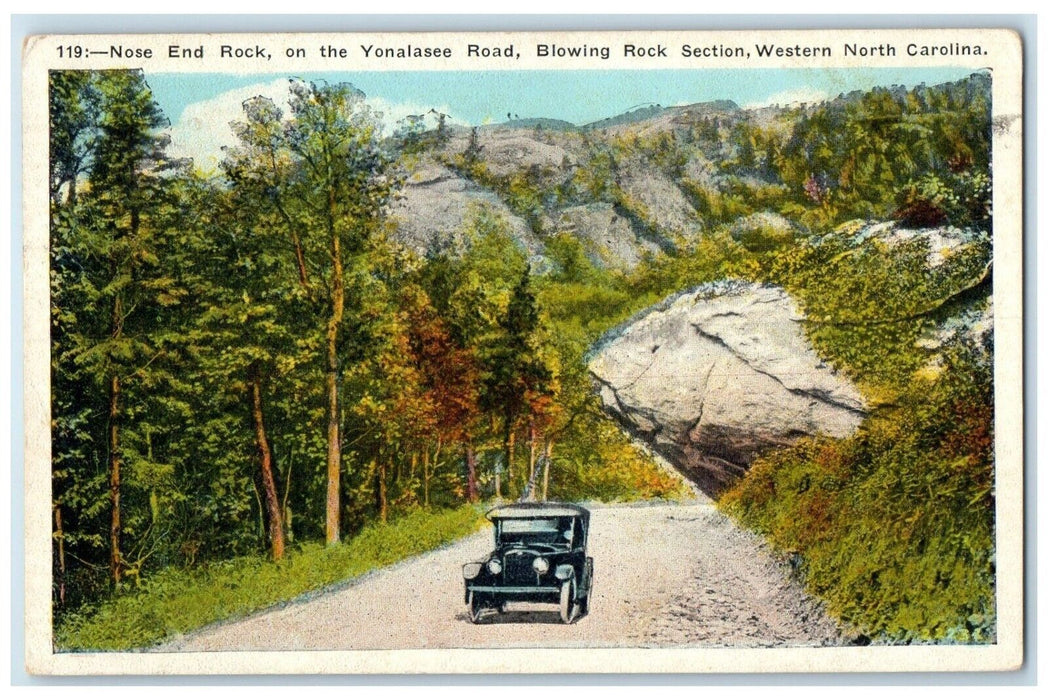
518, 568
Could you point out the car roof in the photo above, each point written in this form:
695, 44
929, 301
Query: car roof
538, 510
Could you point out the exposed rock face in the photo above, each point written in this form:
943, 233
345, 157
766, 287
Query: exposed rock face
609, 239
658, 196
714, 376
507, 151
657, 120
943, 242
702, 171
436, 202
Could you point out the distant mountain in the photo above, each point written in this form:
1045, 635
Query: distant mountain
538, 122
631, 116
657, 178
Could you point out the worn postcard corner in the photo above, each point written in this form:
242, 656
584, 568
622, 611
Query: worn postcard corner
523, 352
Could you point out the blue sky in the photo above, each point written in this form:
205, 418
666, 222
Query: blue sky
574, 96
201, 105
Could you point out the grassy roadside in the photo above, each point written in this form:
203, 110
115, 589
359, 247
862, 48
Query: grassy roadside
893, 526
178, 601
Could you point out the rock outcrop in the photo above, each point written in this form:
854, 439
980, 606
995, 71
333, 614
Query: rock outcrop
507, 150
436, 202
944, 243
657, 199
608, 238
714, 376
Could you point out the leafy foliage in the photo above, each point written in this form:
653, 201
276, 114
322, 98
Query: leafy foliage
892, 524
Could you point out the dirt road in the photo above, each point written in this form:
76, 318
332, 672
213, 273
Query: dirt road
665, 575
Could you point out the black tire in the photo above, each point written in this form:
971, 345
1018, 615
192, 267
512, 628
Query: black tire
476, 610
568, 609
585, 599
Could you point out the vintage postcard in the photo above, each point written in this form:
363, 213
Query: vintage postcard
524, 352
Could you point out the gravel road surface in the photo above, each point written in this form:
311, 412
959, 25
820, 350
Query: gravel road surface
666, 575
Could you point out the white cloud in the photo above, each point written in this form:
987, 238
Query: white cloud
203, 129
789, 97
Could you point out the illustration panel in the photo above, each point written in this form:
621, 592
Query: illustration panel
614, 352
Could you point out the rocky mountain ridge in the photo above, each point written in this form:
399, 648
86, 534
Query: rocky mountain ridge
542, 178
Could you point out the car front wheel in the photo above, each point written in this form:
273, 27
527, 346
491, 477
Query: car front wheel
567, 601
584, 599
475, 608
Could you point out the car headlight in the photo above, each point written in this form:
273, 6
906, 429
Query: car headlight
495, 567
541, 565
471, 570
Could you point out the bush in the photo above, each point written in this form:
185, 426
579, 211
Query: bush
763, 232
894, 526
961, 199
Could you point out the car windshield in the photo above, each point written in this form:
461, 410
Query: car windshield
550, 531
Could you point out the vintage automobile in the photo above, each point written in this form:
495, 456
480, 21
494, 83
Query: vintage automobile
539, 557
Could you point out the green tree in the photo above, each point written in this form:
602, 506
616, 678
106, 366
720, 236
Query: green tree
521, 373
109, 286
328, 179
74, 120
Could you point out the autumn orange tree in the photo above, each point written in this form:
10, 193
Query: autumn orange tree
450, 377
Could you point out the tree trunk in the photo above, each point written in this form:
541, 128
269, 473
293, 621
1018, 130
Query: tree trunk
115, 557
60, 542
425, 477
498, 466
545, 468
334, 451
289, 528
471, 474
383, 502
509, 441
256, 487
265, 460
427, 473
531, 458
300, 257
510, 453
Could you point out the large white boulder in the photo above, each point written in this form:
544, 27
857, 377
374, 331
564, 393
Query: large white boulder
714, 376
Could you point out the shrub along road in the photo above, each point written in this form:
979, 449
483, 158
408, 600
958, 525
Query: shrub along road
666, 574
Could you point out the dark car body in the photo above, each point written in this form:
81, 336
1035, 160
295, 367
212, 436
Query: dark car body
539, 557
